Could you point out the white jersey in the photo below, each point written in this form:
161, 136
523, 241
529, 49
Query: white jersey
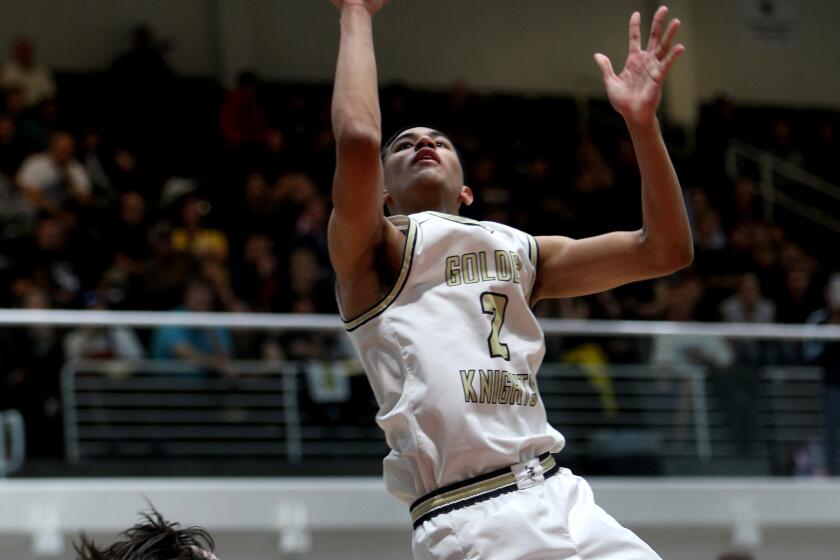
452, 354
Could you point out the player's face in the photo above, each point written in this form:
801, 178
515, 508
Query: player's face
422, 172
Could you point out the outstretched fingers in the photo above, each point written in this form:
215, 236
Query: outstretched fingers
635, 32
656, 28
605, 65
665, 45
671, 58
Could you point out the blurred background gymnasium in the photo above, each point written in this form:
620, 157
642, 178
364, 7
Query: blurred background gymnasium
160, 157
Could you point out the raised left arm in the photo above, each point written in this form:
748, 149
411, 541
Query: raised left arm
574, 267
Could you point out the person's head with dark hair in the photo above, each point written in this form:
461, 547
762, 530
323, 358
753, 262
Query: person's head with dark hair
152, 538
199, 295
23, 52
62, 147
423, 171
247, 79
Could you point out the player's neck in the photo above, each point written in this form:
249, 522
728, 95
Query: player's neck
407, 209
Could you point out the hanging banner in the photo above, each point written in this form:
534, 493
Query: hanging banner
770, 22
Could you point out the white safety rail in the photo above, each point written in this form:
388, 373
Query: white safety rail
12, 442
332, 323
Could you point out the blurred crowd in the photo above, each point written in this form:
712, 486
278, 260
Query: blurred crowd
134, 188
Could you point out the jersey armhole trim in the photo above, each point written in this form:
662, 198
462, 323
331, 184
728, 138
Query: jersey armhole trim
534, 257
405, 269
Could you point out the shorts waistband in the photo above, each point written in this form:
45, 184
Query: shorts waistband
483, 487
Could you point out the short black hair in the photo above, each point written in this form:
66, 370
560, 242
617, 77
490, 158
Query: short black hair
152, 538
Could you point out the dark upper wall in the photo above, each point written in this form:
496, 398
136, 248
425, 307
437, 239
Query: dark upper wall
538, 45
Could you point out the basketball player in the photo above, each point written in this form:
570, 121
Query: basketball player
438, 308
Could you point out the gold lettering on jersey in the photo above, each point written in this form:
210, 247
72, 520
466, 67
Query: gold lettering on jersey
532, 382
503, 267
469, 263
517, 266
486, 379
505, 389
453, 270
494, 386
467, 382
482, 267
471, 268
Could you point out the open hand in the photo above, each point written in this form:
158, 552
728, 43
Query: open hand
372, 6
635, 92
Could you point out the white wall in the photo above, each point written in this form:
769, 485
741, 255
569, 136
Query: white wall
538, 45
680, 544
805, 72
353, 518
87, 35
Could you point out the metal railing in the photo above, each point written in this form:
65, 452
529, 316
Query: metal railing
173, 410
768, 168
116, 410
12, 442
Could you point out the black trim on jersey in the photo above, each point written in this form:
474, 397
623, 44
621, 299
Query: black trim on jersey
531, 301
397, 288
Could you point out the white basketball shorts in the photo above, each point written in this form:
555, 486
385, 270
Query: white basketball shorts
555, 520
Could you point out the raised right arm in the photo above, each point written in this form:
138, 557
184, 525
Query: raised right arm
357, 225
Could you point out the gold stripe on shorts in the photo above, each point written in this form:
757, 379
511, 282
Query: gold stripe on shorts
467, 490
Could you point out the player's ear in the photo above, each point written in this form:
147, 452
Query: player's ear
466, 196
388, 201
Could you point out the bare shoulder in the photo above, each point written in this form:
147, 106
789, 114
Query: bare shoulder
363, 282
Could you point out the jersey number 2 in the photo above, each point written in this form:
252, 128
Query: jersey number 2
495, 304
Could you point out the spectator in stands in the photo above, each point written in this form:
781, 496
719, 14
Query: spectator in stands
256, 279
254, 212
290, 195
309, 286
192, 236
827, 356
782, 142
153, 538
28, 130
129, 237
101, 343
276, 157
683, 357
798, 300
53, 180
167, 272
144, 84
30, 361
242, 119
21, 71
49, 263
94, 161
17, 215
821, 157
12, 150
145, 61
748, 305
209, 348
